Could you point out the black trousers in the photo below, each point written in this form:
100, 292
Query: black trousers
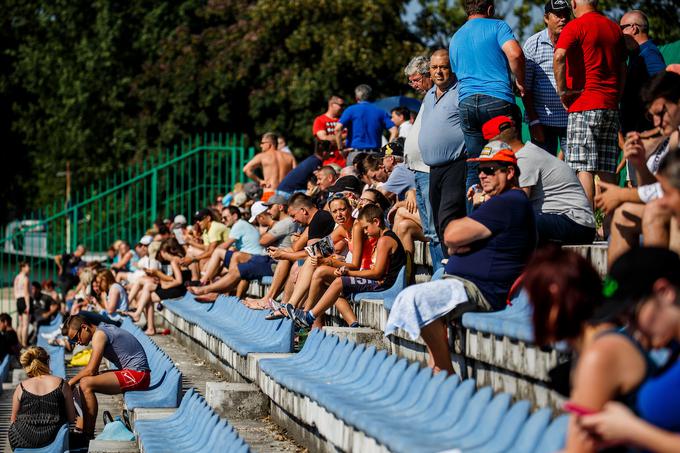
447, 195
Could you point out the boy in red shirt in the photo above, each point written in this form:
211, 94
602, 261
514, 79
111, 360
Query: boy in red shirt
590, 68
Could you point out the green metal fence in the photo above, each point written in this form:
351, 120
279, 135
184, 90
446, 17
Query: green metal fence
123, 206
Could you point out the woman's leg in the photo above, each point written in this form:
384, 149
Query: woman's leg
302, 285
436, 338
150, 318
144, 299
23, 329
214, 264
345, 309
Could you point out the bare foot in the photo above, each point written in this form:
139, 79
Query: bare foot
211, 297
150, 333
257, 304
196, 290
135, 317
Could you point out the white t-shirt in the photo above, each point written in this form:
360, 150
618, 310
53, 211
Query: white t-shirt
412, 156
405, 128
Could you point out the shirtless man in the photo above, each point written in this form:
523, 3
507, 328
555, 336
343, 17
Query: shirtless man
275, 164
22, 295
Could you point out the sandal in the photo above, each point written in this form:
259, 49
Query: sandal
275, 314
106, 415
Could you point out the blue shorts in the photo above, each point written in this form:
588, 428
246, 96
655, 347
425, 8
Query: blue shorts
354, 285
256, 267
227, 258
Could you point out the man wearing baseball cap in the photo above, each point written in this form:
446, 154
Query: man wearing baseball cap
488, 251
563, 213
545, 113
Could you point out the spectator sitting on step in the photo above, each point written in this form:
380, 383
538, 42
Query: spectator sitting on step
488, 251
325, 178
41, 404
649, 287
318, 225
568, 305
248, 261
144, 262
119, 347
161, 286
127, 259
638, 210
213, 233
389, 260
109, 294
45, 308
9, 341
563, 213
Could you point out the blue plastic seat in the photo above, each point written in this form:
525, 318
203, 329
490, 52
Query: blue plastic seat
555, 436
513, 322
531, 431
58, 445
507, 432
4, 370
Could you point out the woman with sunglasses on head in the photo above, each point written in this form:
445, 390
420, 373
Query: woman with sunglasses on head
568, 305
163, 286
41, 404
645, 287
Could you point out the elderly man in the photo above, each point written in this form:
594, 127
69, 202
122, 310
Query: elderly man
644, 62
545, 114
365, 124
418, 73
484, 53
489, 249
275, 164
590, 49
442, 144
324, 129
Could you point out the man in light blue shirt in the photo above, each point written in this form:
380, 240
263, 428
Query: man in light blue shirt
483, 54
365, 124
442, 144
545, 113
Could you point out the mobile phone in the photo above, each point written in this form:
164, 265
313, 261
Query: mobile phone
577, 409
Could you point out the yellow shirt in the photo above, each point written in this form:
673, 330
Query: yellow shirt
218, 232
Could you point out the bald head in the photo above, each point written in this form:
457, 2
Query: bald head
440, 69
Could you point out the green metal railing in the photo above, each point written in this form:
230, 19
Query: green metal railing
123, 206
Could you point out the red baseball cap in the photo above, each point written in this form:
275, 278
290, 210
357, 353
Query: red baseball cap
496, 151
495, 126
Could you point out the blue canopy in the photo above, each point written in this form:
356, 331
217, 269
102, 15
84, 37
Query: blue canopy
390, 103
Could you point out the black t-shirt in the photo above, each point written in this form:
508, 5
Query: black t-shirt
42, 303
322, 225
9, 342
69, 263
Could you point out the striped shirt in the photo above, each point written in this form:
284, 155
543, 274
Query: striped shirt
540, 80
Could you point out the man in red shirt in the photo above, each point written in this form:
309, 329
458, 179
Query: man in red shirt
590, 67
324, 129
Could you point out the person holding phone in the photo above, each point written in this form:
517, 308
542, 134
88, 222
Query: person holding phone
569, 305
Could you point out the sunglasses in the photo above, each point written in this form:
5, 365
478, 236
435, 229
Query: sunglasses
489, 170
76, 338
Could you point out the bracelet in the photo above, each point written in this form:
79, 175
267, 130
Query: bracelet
534, 122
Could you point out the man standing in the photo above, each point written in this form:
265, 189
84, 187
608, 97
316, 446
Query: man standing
590, 69
545, 113
418, 73
324, 129
365, 124
401, 117
481, 53
644, 62
442, 144
275, 164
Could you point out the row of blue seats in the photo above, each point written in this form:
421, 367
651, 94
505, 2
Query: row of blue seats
242, 329
165, 389
194, 427
405, 407
57, 354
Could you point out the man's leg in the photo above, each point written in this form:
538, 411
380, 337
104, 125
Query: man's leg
214, 264
625, 230
550, 139
290, 282
435, 336
106, 383
452, 204
607, 221
302, 285
656, 222
322, 277
426, 218
435, 200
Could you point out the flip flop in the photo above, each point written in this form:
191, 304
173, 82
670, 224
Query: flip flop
275, 315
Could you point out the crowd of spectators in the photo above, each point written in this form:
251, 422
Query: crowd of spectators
493, 209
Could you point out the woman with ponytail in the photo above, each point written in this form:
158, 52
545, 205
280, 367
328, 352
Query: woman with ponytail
41, 404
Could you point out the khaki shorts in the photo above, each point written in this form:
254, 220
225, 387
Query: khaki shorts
476, 300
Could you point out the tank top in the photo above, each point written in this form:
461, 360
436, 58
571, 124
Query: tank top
39, 418
123, 349
123, 297
396, 261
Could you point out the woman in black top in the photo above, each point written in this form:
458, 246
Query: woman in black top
41, 404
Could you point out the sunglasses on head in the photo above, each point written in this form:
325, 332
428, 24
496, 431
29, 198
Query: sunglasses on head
489, 170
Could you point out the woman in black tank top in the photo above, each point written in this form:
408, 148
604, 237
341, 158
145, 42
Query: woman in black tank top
41, 412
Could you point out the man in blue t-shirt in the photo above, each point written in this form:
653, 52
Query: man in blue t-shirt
484, 53
296, 180
365, 124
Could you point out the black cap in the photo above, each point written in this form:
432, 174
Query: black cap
632, 277
557, 6
252, 190
395, 148
201, 214
346, 184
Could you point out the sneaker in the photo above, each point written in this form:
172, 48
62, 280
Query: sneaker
297, 315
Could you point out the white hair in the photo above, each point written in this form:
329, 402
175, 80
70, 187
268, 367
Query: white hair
418, 65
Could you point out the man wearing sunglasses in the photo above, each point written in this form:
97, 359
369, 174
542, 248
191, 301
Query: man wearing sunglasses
119, 347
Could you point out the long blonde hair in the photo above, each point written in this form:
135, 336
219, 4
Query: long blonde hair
35, 361
105, 280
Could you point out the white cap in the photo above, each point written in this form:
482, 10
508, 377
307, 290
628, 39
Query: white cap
180, 220
146, 240
256, 209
